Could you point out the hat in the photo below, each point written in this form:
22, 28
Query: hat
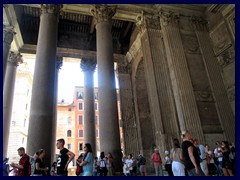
166, 152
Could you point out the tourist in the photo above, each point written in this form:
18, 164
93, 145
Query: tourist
142, 164
102, 164
129, 165
5, 166
191, 156
32, 162
40, 168
210, 161
64, 158
24, 167
219, 157
168, 163
203, 157
87, 162
226, 163
176, 156
95, 167
157, 162
53, 170
109, 164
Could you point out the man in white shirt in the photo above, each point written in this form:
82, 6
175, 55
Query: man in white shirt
218, 154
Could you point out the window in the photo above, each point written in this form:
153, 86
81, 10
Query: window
96, 119
96, 132
13, 123
27, 92
95, 106
69, 146
79, 95
80, 133
24, 123
80, 119
23, 140
96, 96
69, 133
26, 106
80, 146
80, 106
69, 120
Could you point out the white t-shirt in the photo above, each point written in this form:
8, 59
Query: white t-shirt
210, 154
168, 160
129, 162
218, 153
202, 151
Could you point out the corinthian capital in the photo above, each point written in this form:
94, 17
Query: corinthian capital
199, 23
123, 68
51, 9
147, 21
169, 18
88, 64
8, 34
15, 58
103, 13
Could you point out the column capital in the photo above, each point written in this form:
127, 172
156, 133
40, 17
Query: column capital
123, 68
59, 62
15, 58
103, 13
169, 18
51, 9
145, 21
199, 23
8, 33
88, 64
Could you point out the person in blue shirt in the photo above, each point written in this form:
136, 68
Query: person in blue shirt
87, 162
5, 166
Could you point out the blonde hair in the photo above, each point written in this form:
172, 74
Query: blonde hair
184, 133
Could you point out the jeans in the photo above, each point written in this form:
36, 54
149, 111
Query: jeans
219, 168
158, 170
192, 172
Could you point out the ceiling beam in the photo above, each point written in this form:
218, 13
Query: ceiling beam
73, 53
126, 30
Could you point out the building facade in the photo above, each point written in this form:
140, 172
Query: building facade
20, 113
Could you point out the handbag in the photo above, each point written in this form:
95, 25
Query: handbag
79, 170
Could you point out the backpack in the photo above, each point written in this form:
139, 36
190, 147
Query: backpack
102, 163
143, 161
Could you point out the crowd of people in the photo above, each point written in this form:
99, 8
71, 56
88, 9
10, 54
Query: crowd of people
188, 158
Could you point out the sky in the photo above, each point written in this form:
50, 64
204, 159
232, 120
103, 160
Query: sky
66, 82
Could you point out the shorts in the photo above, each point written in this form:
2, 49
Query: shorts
142, 168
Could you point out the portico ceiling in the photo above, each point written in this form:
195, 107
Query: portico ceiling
76, 24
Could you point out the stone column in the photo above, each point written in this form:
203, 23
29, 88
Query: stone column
54, 121
222, 103
129, 125
43, 89
108, 114
159, 86
88, 67
8, 93
186, 106
8, 34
